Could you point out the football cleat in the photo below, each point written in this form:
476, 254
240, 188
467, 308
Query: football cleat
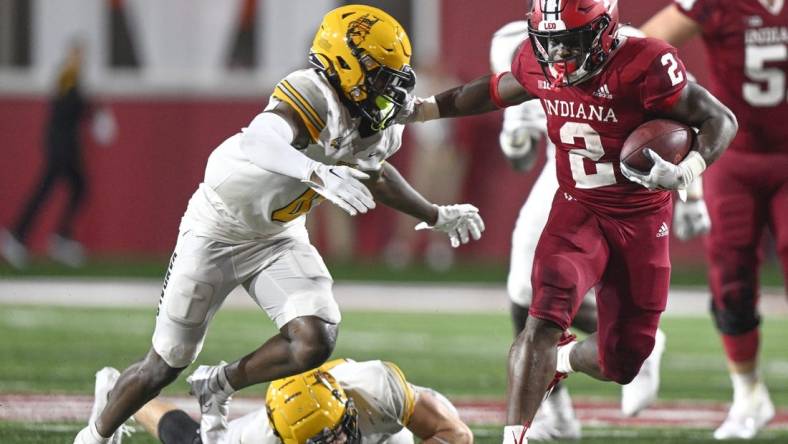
66, 251
749, 413
214, 404
13, 250
555, 419
105, 382
642, 391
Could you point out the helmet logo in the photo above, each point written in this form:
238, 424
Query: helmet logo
359, 29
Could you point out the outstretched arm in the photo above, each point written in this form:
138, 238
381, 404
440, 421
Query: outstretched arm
482, 95
460, 222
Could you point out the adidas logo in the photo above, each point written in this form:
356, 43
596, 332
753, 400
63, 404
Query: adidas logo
603, 92
663, 230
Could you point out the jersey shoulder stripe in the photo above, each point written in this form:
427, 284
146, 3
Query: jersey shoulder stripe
407, 389
306, 99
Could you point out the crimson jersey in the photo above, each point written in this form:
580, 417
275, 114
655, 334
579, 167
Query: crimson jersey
589, 122
747, 45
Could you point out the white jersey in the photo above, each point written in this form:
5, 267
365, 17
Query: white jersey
238, 201
383, 397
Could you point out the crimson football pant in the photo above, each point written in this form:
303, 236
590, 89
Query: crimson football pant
625, 258
745, 192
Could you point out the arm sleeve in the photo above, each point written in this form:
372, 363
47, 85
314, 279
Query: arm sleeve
665, 78
266, 143
403, 394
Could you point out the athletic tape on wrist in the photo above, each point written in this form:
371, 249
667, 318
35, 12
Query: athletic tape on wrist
427, 109
692, 166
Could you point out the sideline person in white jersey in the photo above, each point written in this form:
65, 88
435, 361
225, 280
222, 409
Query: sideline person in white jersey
342, 401
245, 223
524, 126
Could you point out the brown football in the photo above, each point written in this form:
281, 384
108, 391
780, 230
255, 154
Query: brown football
670, 139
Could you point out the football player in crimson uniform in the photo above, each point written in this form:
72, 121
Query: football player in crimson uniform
747, 44
605, 230
524, 126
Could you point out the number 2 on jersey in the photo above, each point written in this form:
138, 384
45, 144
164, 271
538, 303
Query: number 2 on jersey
301, 205
605, 174
675, 74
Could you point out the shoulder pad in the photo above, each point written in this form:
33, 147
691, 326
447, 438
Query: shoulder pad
299, 91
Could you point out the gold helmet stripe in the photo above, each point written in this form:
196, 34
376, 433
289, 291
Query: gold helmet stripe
286, 93
410, 395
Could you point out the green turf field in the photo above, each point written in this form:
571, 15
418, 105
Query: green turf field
57, 350
464, 271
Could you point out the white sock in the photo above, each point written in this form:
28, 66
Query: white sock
98, 439
512, 434
744, 383
563, 364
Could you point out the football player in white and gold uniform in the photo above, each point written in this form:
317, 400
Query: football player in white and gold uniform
325, 134
342, 401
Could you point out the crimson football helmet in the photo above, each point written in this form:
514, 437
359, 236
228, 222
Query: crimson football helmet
572, 38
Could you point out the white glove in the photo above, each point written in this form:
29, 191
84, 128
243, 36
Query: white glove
457, 221
664, 175
690, 219
341, 185
417, 109
516, 143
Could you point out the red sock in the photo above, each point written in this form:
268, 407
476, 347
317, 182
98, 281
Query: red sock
742, 348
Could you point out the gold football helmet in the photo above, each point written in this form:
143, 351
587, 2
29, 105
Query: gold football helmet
365, 54
311, 408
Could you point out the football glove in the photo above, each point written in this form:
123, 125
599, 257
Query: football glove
664, 175
690, 219
460, 222
342, 186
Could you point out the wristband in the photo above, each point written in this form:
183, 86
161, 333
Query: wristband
695, 189
495, 96
692, 167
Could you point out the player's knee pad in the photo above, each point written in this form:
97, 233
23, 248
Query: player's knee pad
555, 271
734, 311
187, 301
622, 362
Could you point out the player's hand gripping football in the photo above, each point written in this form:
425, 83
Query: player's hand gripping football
342, 186
663, 174
460, 222
690, 219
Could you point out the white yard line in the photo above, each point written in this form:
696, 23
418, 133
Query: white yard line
595, 412
350, 295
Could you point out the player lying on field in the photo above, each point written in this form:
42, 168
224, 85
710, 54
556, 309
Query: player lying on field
608, 225
245, 223
343, 401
